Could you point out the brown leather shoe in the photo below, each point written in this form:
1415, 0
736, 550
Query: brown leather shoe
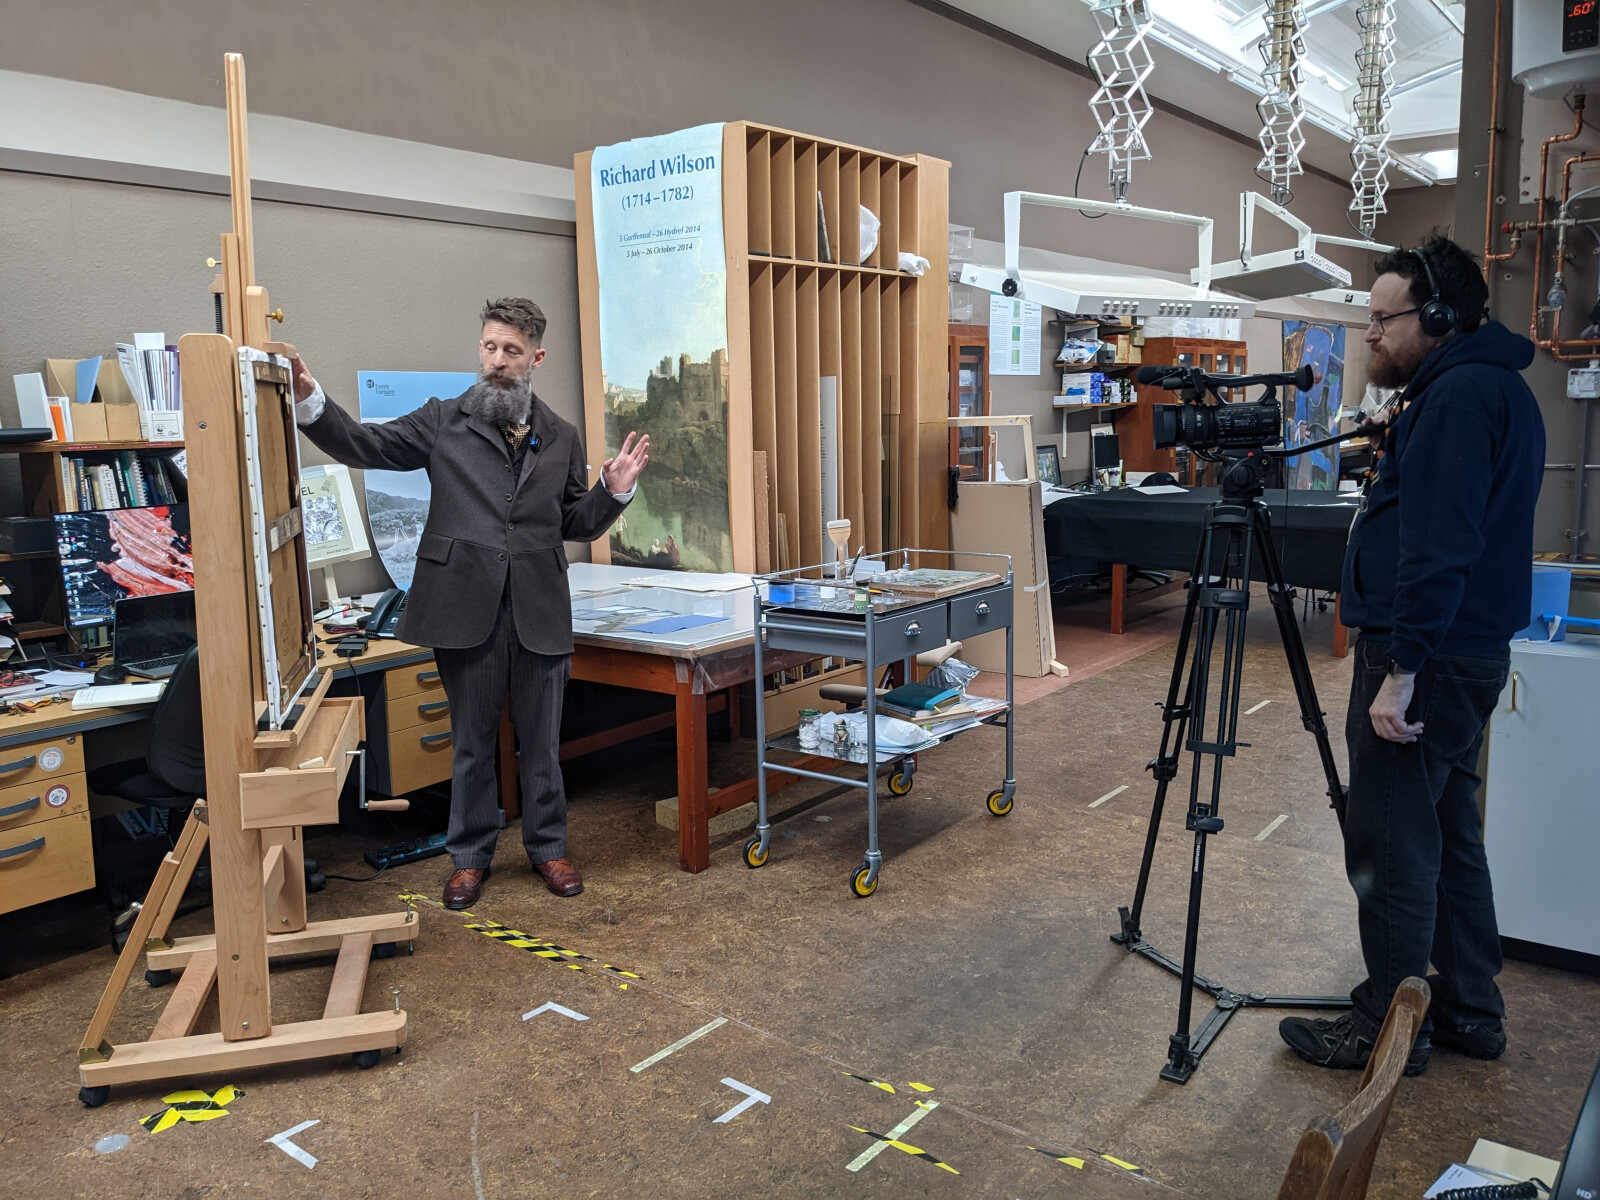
560, 876
464, 888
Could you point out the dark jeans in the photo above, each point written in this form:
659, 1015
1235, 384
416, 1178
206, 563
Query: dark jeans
1413, 840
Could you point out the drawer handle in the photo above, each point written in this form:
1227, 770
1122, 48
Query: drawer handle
434, 707
427, 676
21, 764
1516, 678
12, 810
913, 629
429, 739
13, 851
983, 609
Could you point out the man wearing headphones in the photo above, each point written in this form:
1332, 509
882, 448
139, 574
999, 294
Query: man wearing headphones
1438, 577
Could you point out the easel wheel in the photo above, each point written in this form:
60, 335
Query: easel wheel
366, 1059
385, 950
158, 978
94, 1097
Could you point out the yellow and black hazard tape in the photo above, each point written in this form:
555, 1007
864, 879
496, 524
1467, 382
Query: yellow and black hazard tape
571, 959
886, 1087
1072, 1161
191, 1106
914, 1151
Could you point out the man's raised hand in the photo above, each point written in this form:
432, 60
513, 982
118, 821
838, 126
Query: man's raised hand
622, 472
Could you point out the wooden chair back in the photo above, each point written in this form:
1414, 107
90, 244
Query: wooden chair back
1334, 1158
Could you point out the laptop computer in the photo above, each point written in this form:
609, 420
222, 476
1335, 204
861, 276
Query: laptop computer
152, 633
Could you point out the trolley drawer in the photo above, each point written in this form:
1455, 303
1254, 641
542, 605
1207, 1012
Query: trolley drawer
979, 613
810, 635
45, 860
902, 635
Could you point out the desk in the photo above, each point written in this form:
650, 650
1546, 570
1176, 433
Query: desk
1162, 532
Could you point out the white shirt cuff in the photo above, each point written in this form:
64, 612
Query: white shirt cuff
619, 497
310, 409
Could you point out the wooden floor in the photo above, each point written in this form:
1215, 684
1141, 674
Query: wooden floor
981, 970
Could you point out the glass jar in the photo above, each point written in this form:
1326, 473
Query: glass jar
809, 735
841, 741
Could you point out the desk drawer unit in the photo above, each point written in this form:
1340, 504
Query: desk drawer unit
980, 613
419, 708
46, 859
54, 796
418, 756
412, 680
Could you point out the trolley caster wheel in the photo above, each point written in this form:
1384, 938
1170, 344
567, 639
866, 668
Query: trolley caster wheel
366, 1059
863, 883
158, 978
754, 855
999, 803
384, 950
94, 1097
900, 783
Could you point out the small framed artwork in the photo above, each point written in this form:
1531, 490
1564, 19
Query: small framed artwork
1048, 459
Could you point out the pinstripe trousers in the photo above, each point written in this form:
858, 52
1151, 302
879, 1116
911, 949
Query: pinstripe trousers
476, 681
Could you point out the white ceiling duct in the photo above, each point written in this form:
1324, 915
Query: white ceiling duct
1104, 295
1121, 61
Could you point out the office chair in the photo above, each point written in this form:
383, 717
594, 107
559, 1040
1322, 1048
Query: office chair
171, 776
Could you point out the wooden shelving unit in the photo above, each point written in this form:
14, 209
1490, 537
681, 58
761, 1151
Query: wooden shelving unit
1137, 429
795, 318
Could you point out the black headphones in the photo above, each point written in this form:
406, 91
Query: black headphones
1435, 317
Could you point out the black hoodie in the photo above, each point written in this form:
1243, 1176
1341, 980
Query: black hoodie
1440, 555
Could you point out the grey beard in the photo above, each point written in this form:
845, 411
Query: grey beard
503, 405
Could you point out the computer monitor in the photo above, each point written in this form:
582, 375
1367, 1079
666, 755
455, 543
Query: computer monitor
112, 554
333, 527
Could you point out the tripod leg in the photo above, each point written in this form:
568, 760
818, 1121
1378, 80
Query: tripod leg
1164, 766
1311, 714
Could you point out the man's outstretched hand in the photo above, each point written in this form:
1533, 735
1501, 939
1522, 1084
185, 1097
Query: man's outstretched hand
622, 472
304, 385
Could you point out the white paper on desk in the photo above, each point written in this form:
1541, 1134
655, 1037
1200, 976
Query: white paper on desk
693, 581
1456, 1176
74, 679
1160, 489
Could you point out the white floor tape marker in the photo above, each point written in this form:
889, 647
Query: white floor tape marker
1107, 796
678, 1045
1262, 836
552, 1006
1257, 708
751, 1096
282, 1142
924, 1107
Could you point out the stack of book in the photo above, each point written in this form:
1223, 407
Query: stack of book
923, 703
121, 479
151, 368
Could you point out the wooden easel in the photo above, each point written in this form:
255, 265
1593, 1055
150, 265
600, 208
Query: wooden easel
277, 750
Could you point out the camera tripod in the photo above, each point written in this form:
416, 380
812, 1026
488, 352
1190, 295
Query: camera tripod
1240, 525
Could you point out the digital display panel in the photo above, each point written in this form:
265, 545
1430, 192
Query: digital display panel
1580, 25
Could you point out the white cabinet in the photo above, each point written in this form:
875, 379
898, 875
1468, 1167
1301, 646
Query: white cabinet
1542, 804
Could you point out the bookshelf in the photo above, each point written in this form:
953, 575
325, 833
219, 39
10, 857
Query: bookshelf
37, 588
796, 317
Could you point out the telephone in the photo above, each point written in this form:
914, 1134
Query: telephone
386, 613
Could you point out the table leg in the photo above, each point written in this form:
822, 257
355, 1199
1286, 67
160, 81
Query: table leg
694, 833
1119, 594
1341, 635
506, 764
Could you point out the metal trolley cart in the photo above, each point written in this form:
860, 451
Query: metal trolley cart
826, 617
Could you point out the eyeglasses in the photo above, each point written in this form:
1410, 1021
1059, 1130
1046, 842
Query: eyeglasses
1382, 322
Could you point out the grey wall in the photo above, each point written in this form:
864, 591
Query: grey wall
85, 265
1511, 283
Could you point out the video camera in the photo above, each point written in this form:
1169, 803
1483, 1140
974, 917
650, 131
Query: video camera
1220, 426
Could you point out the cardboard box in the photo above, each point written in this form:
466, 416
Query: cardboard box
1008, 518
114, 414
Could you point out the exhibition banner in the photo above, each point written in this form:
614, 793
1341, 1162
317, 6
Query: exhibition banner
662, 276
1308, 416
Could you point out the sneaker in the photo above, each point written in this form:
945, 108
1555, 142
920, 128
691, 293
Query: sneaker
1475, 1041
1341, 1044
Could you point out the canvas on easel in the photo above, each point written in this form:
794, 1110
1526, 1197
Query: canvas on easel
277, 747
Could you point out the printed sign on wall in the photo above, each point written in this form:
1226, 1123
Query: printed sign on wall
664, 342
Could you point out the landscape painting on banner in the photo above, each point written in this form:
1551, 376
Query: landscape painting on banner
1308, 416
664, 342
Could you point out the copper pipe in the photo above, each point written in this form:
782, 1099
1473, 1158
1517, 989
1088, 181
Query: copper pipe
1555, 345
1538, 246
1494, 141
